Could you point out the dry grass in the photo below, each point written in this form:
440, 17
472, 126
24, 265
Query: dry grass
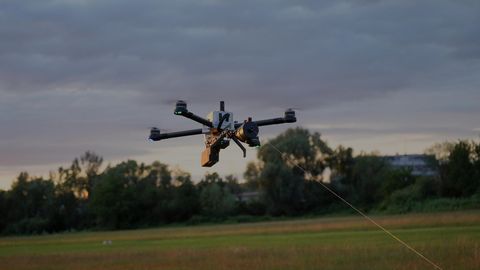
450, 239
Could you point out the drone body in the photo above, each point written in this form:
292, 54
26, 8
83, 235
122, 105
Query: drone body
219, 128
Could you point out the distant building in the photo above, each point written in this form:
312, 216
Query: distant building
248, 196
418, 164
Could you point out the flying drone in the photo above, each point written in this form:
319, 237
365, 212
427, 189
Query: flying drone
219, 128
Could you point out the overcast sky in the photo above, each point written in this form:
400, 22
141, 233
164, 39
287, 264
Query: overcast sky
77, 75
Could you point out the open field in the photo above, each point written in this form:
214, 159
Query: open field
452, 240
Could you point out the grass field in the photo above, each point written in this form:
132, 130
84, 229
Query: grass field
452, 240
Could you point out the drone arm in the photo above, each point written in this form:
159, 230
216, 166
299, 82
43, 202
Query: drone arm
196, 118
162, 136
273, 121
288, 118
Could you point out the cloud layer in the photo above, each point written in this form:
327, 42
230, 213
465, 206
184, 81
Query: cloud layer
334, 50
96, 74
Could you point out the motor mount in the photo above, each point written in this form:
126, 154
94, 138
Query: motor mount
180, 107
290, 116
248, 133
154, 134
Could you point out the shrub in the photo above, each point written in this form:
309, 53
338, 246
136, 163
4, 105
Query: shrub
28, 226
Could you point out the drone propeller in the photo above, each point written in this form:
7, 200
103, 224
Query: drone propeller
172, 101
160, 129
295, 109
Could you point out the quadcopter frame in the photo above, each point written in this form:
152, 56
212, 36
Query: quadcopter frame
219, 129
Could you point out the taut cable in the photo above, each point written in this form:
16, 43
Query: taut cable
365, 215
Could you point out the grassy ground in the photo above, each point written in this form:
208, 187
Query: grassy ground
452, 240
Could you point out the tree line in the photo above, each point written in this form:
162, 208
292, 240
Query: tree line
288, 179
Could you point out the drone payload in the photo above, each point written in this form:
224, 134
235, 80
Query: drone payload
219, 128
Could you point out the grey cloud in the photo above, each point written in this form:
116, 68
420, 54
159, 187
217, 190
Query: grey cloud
94, 75
381, 131
338, 50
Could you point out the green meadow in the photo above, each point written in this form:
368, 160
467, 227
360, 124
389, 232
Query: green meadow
451, 240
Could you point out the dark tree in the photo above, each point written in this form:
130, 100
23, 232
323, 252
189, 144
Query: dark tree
90, 166
31, 205
185, 202
460, 177
282, 182
341, 164
114, 201
476, 165
3, 210
368, 175
252, 176
233, 186
216, 201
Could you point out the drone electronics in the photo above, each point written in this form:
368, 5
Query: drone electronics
219, 128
